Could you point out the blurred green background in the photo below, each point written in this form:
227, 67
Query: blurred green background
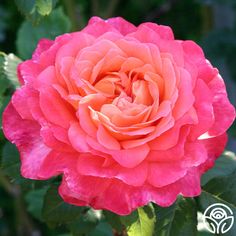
211, 23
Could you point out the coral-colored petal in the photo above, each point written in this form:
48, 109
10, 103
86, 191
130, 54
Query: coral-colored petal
55, 109
105, 139
51, 140
128, 158
94, 166
131, 157
170, 138
162, 174
182, 104
174, 153
77, 137
56, 163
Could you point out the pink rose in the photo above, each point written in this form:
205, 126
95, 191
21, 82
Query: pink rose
126, 114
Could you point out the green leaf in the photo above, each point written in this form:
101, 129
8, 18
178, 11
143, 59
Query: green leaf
56, 211
51, 26
220, 190
114, 220
179, 219
102, 229
44, 7
34, 198
11, 161
26, 7
8, 80
3, 103
3, 79
203, 234
10, 164
10, 68
224, 165
86, 223
35, 9
140, 222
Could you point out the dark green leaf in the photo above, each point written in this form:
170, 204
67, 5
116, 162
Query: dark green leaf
3, 79
56, 211
180, 219
35, 9
102, 229
51, 26
26, 7
224, 165
114, 220
11, 161
140, 222
203, 234
86, 223
4, 23
34, 198
3, 103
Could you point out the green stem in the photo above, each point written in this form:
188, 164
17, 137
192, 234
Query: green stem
7, 185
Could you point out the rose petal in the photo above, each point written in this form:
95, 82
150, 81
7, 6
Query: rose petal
224, 112
93, 166
42, 46
25, 134
105, 139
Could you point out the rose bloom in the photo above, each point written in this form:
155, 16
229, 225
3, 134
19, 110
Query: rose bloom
127, 115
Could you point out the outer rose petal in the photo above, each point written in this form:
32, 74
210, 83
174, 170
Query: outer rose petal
128, 158
123, 26
27, 71
224, 112
204, 109
56, 163
42, 46
165, 32
51, 141
77, 189
91, 166
25, 134
195, 55
159, 173
20, 97
98, 27
214, 146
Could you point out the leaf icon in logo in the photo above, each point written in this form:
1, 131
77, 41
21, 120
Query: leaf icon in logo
213, 223
225, 225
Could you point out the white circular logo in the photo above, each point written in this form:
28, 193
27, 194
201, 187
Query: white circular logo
218, 218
